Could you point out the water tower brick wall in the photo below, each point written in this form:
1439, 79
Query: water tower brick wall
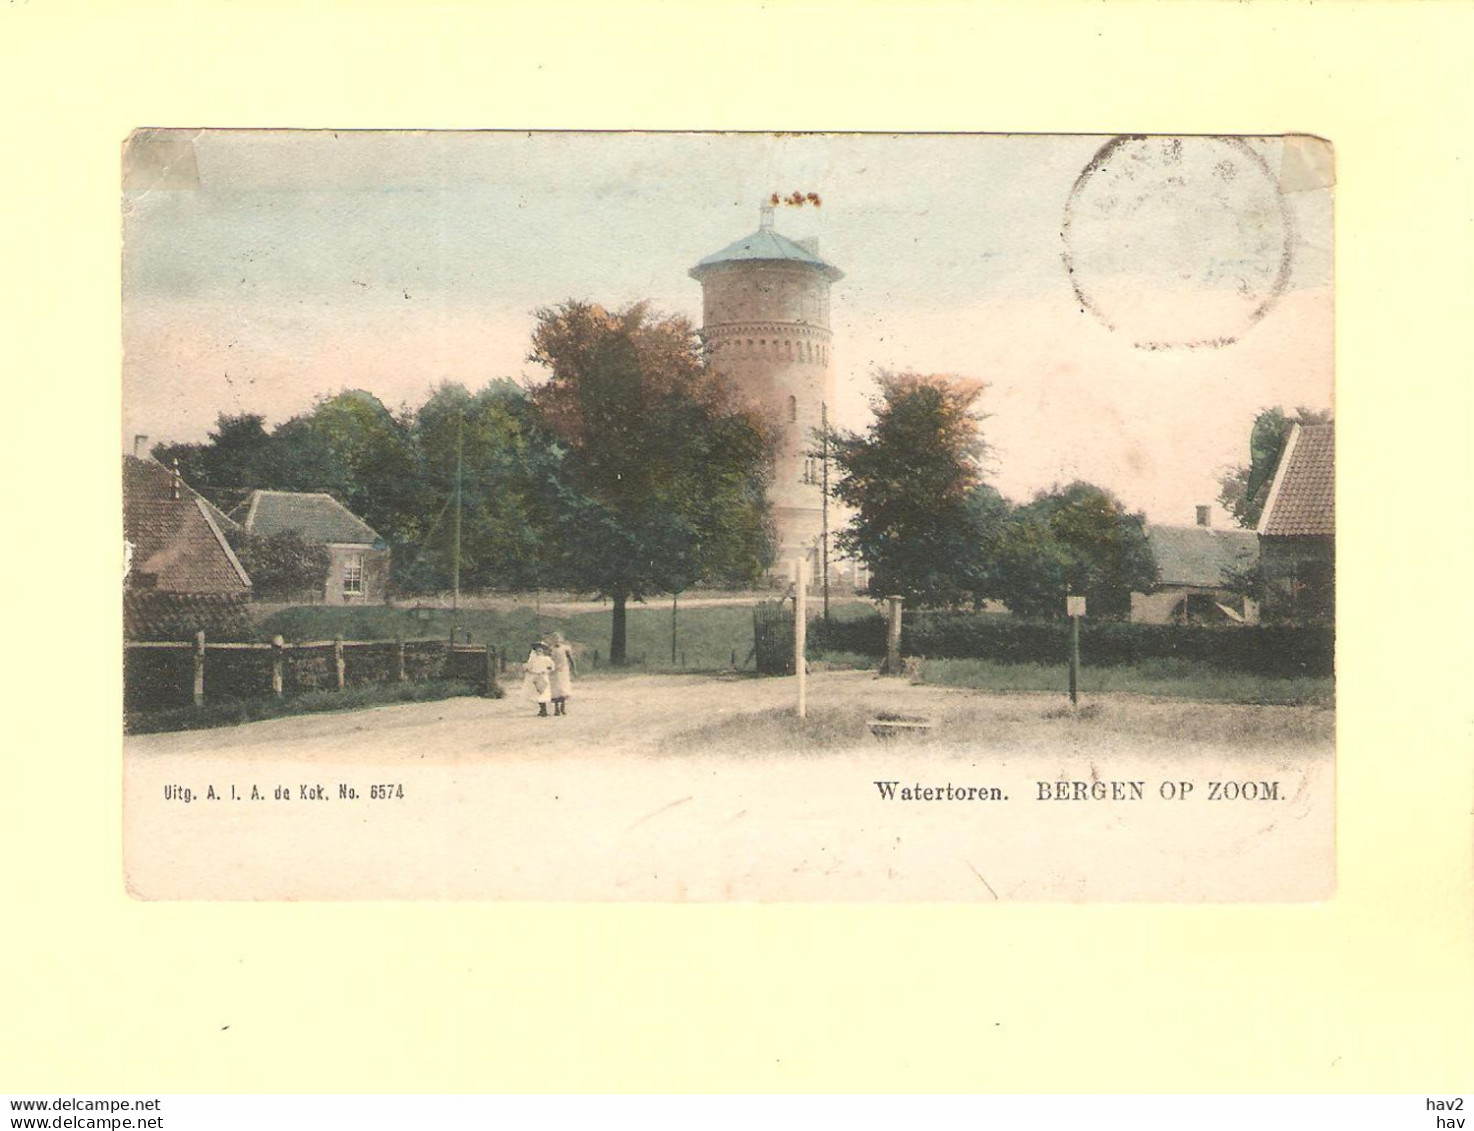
767, 327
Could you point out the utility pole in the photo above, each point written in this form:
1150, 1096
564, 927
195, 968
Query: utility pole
800, 633
673, 599
455, 597
824, 504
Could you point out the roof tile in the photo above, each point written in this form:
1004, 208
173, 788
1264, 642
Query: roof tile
1305, 501
175, 547
1201, 556
316, 516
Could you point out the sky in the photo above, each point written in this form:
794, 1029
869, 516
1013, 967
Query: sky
1130, 310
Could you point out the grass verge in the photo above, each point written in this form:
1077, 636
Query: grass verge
1169, 679
709, 638
969, 724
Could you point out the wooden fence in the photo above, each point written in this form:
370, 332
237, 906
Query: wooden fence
163, 674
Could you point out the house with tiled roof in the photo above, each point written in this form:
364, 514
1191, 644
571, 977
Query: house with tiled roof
358, 558
1297, 529
1201, 570
181, 576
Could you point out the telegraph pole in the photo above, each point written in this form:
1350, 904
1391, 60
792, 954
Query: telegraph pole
824, 504
455, 596
800, 633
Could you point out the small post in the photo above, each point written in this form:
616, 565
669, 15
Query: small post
673, 599
1075, 609
199, 668
596, 657
502, 659
893, 635
1074, 661
338, 661
734, 659
277, 647
490, 689
800, 636
399, 671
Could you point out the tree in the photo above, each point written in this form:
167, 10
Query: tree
987, 514
1031, 567
281, 565
1243, 490
504, 458
913, 479
352, 446
1074, 540
236, 456
662, 472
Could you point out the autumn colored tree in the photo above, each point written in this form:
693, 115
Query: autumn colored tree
913, 480
663, 470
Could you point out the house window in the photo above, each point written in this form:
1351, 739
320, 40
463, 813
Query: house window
792, 409
353, 575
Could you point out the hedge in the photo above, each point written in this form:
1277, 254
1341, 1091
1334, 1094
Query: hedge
1269, 649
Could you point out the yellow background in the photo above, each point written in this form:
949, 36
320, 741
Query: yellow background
1372, 991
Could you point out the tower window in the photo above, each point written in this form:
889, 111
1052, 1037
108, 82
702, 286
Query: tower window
792, 409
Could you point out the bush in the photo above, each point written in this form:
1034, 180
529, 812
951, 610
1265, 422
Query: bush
1281, 650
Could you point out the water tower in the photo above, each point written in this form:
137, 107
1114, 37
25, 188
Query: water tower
765, 317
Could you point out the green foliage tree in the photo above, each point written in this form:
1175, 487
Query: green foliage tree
1242, 490
661, 475
236, 456
1078, 539
504, 461
282, 565
913, 478
351, 445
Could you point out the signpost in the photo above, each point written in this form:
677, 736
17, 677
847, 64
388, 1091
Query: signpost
1074, 609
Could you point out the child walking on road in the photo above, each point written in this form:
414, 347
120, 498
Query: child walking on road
537, 682
563, 672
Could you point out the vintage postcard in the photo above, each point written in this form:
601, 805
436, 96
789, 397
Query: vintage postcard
728, 517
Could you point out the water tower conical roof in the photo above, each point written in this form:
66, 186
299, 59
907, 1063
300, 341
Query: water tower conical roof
766, 245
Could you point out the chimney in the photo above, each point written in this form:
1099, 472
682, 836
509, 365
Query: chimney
1205, 516
765, 217
140, 446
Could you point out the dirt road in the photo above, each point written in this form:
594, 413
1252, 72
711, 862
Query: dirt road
691, 787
